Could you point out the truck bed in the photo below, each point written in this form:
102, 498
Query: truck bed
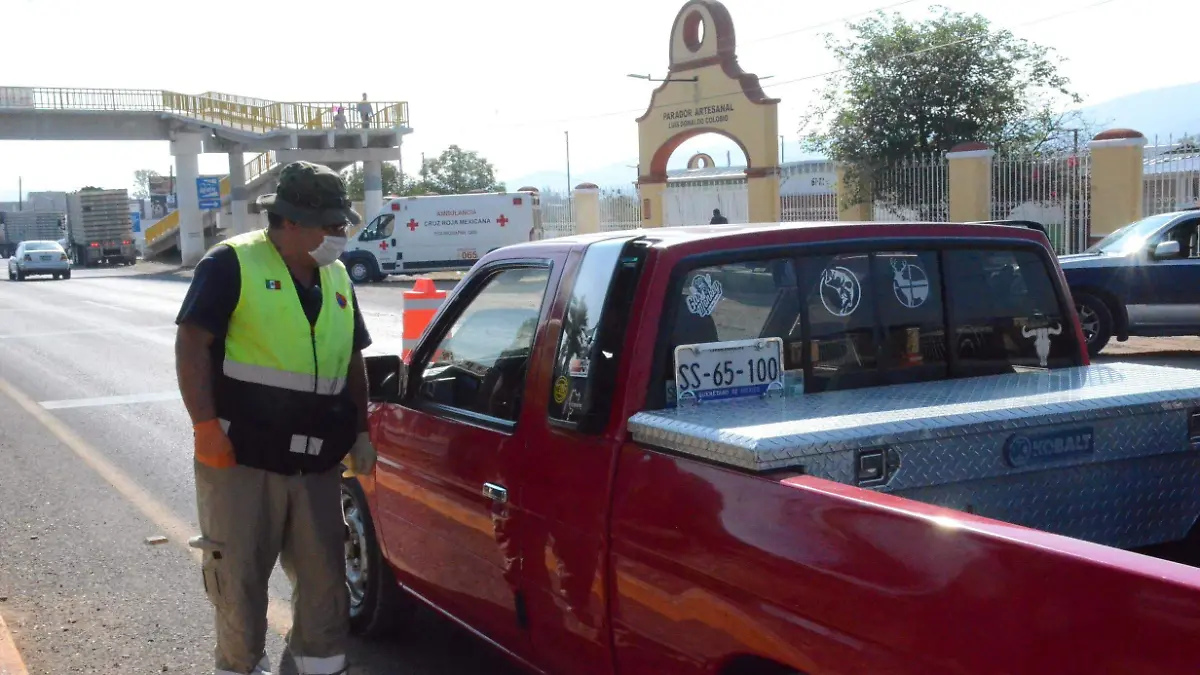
1104, 453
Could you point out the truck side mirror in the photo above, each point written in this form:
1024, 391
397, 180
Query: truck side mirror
1166, 249
385, 378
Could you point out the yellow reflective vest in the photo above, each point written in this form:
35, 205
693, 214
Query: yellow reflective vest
282, 393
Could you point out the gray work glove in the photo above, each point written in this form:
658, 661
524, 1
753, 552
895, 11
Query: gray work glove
360, 461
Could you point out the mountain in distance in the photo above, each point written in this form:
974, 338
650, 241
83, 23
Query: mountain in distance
1167, 112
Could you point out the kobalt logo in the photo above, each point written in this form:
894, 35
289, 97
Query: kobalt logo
1022, 449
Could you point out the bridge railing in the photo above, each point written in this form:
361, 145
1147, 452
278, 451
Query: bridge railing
238, 112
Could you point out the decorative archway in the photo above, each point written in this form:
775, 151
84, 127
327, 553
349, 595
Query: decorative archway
708, 92
701, 160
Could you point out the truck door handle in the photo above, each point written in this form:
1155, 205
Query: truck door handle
495, 493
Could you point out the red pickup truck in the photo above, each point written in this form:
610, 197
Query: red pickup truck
800, 448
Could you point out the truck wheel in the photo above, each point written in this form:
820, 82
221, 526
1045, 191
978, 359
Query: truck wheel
376, 601
1096, 320
360, 271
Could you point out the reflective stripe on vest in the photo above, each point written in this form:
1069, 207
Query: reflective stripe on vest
270, 340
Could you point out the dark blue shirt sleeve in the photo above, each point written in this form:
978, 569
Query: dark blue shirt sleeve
362, 339
214, 292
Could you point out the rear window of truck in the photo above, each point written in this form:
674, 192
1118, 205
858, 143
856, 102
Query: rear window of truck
872, 318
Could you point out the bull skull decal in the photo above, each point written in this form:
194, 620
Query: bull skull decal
1041, 341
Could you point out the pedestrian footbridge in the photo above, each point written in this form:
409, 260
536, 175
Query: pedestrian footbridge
273, 132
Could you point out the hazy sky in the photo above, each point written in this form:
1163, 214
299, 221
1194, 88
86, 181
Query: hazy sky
502, 78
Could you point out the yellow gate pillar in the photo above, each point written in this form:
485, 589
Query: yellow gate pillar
586, 200
762, 195
854, 198
970, 169
652, 195
1116, 192
706, 91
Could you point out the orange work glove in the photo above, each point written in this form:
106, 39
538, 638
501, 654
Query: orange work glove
213, 447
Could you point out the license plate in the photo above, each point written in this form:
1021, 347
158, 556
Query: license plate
46, 258
734, 369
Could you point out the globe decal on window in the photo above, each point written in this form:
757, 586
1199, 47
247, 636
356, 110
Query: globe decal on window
910, 284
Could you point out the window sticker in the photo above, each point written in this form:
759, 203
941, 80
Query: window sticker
910, 283
1041, 340
561, 388
704, 295
840, 291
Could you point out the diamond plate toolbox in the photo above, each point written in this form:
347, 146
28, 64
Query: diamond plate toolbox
1101, 453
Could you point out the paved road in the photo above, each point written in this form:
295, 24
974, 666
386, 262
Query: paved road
87, 477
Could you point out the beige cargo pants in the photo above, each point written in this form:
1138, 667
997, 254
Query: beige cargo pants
248, 519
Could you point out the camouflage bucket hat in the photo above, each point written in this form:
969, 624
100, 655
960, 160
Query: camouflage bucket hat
312, 195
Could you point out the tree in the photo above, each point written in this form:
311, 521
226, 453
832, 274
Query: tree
458, 171
392, 184
141, 182
909, 87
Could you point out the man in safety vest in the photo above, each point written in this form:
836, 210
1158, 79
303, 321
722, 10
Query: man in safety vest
269, 359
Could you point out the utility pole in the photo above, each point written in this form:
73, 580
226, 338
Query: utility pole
20, 193
781, 150
570, 195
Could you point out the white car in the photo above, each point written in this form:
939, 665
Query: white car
39, 257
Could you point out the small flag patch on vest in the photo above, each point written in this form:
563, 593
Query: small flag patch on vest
341, 300
273, 285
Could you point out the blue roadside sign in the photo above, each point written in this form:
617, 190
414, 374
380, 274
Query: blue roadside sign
208, 189
137, 221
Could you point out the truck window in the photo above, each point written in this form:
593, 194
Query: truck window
736, 301
872, 318
1006, 313
380, 228
479, 366
587, 358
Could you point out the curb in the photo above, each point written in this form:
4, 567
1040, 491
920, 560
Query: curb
10, 659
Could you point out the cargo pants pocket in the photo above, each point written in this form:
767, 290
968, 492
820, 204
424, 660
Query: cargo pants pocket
211, 573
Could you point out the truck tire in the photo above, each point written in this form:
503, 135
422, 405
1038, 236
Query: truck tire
1096, 319
362, 269
376, 602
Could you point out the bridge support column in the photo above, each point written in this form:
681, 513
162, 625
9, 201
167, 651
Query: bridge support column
238, 203
186, 149
372, 188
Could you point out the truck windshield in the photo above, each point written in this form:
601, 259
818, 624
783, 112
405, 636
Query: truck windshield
872, 318
1131, 237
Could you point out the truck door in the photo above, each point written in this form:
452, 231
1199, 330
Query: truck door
449, 507
378, 237
1167, 296
564, 477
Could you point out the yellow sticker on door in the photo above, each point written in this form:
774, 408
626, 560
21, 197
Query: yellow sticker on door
561, 389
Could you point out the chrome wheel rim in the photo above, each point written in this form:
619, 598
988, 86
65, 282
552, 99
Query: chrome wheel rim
1089, 320
357, 565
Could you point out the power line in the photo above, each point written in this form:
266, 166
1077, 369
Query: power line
805, 78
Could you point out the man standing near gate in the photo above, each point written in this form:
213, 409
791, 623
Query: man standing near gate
269, 359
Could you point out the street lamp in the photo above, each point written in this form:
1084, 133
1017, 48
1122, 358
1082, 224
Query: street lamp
648, 78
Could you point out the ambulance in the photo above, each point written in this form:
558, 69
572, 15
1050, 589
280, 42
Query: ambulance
411, 235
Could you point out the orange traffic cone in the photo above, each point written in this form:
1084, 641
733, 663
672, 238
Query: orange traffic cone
420, 306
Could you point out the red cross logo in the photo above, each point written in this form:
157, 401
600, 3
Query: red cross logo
383, 246
412, 225
502, 220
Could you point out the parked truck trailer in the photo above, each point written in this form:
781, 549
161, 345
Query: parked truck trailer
101, 230
19, 226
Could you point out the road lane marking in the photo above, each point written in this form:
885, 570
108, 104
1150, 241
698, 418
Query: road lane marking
279, 614
111, 400
107, 306
10, 659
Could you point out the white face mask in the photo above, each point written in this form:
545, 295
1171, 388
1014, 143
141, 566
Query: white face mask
329, 250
